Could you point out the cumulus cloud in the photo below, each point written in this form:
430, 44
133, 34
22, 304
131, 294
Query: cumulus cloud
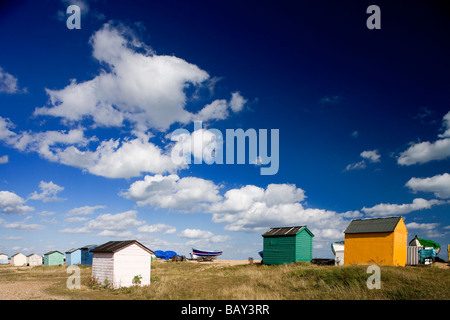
172, 192
22, 225
237, 102
438, 184
252, 208
48, 193
388, 209
423, 152
4, 159
111, 158
11, 203
202, 237
369, 155
422, 226
143, 88
9, 83
158, 227
85, 210
109, 224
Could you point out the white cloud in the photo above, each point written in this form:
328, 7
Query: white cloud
9, 83
4, 159
423, 152
85, 210
22, 225
11, 203
237, 102
112, 158
159, 227
388, 209
356, 166
371, 155
216, 110
185, 194
48, 193
75, 219
109, 224
422, 226
252, 208
438, 184
144, 89
446, 126
202, 237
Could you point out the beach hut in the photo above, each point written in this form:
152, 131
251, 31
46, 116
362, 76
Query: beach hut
18, 259
119, 262
73, 256
53, 258
287, 245
34, 260
3, 258
379, 241
86, 254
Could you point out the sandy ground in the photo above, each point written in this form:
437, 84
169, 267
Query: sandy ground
25, 290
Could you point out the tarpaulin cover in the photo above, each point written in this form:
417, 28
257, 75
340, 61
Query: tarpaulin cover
429, 243
166, 255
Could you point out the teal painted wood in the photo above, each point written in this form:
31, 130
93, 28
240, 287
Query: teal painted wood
303, 247
279, 250
288, 249
54, 259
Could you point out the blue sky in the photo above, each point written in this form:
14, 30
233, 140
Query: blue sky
86, 117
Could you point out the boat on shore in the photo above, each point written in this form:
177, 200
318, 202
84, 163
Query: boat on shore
205, 255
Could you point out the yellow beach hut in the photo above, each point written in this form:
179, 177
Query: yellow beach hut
380, 241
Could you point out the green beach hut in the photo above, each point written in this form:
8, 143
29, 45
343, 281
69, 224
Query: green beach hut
287, 245
53, 258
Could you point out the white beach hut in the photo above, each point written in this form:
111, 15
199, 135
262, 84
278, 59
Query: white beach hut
18, 259
34, 260
3, 258
119, 262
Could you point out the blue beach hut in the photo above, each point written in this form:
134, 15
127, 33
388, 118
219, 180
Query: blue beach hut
73, 256
86, 254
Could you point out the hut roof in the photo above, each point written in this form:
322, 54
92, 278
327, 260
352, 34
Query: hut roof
114, 246
72, 250
33, 254
17, 254
54, 251
373, 225
88, 246
285, 231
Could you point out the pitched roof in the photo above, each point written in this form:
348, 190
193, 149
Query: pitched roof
54, 251
285, 231
114, 246
17, 254
373, 225
72, 250
88, 246
33, 254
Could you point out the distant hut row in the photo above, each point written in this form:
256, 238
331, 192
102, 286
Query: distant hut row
381, 241
82, 256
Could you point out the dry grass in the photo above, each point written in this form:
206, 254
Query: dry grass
208, 281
